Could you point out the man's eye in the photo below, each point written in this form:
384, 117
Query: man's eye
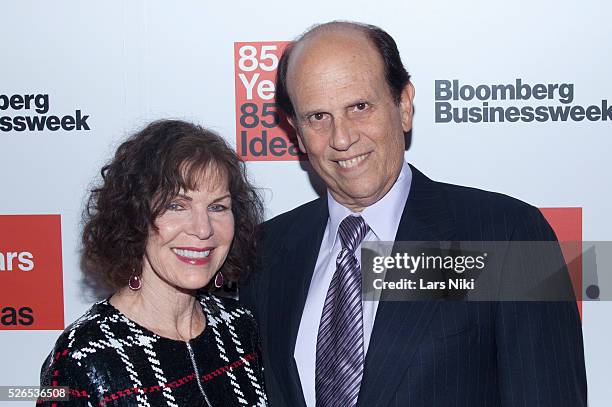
317, 117
218, 208
361, 106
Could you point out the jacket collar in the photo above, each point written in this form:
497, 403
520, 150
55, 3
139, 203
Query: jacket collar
399, 326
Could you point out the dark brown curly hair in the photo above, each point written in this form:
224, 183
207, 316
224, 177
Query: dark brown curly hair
147, 172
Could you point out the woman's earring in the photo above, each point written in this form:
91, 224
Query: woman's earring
219, 280
134, 283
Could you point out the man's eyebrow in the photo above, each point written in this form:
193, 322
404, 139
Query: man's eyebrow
362, 100
358, 101
352, 103
311, 112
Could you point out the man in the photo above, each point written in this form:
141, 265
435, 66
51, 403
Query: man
346, 93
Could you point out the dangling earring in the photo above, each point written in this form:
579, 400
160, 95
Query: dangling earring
134, 282
219, 280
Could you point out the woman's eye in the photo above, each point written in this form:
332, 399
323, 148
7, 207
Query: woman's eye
173, 206
218, 207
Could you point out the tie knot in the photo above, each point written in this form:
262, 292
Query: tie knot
352, 231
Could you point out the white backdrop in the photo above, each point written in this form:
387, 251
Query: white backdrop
125, 63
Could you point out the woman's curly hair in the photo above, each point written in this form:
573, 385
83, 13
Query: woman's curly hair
147, 172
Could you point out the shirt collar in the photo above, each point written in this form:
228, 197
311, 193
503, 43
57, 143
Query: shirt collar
376, 215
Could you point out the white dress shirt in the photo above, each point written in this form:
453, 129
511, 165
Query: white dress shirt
383, 218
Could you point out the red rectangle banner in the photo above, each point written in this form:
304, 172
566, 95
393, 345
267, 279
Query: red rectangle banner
31, 286
262, 131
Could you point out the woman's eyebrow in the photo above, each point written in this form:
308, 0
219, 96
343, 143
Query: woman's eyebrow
222, 197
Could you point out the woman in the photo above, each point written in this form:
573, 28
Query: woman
173, 214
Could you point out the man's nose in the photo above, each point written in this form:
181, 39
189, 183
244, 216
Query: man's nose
344, 134
200, 225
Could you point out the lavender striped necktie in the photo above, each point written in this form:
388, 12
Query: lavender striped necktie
340, 355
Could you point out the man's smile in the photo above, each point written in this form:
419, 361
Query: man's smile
352, 162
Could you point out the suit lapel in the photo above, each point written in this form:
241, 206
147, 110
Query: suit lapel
399, 325
291, 281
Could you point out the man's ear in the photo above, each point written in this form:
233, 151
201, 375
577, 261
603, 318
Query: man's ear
298, 135
406, 107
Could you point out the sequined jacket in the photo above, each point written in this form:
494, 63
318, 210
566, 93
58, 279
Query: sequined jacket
106, 359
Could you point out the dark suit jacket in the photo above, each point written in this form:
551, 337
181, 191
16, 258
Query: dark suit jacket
428, 353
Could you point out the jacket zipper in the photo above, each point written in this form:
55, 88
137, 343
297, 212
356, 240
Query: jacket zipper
197, 373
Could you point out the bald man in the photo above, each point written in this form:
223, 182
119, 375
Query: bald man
346, 92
